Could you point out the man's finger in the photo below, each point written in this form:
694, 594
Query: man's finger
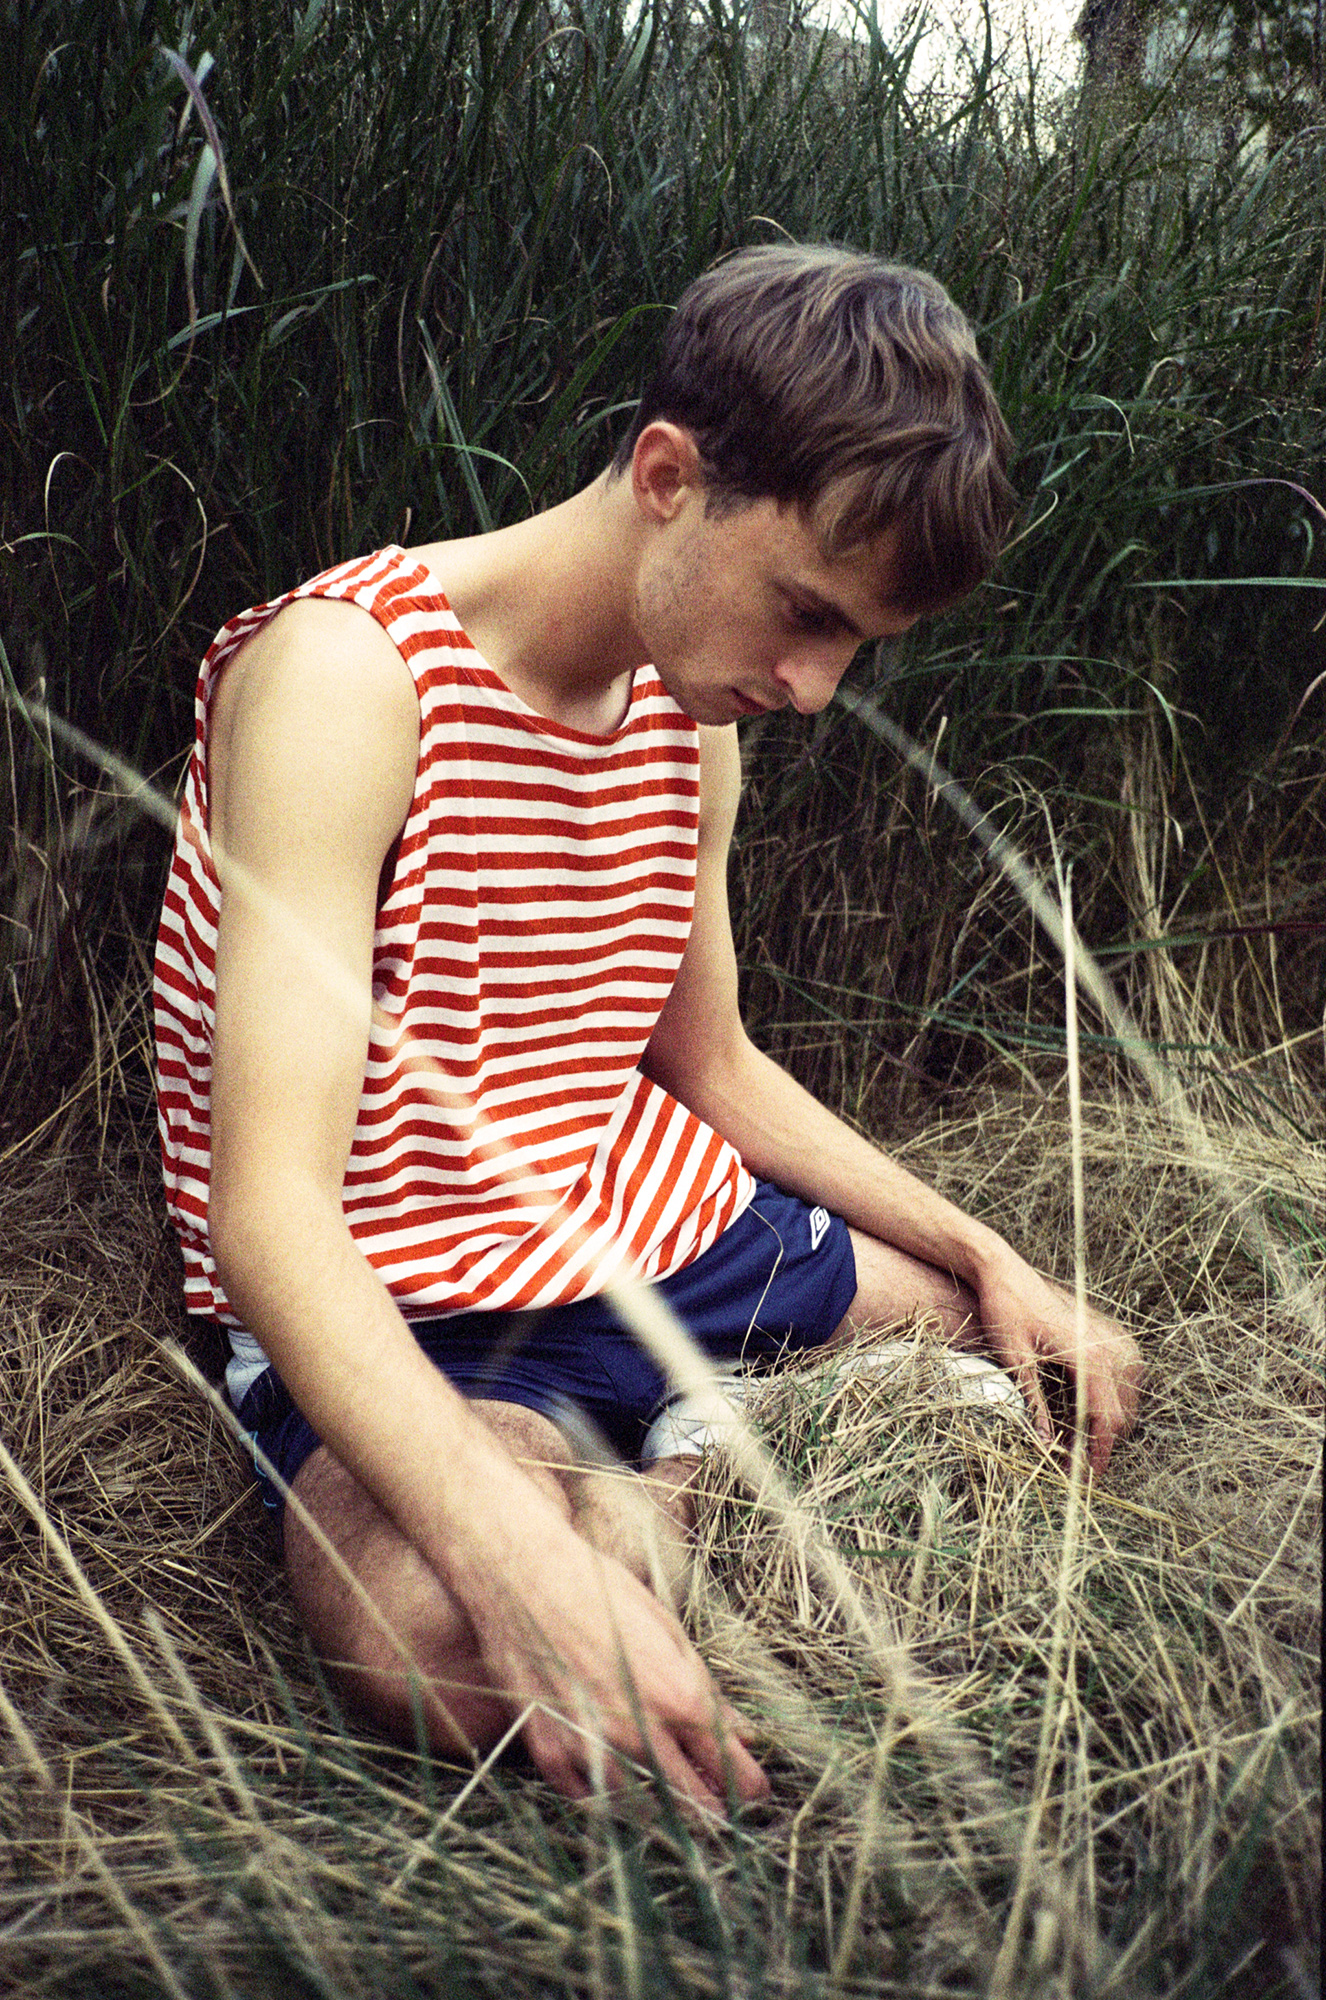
726, 1763
554, 1760
1104, 1428
740, 1725
1100, 1445
692, 1773
1027, 1376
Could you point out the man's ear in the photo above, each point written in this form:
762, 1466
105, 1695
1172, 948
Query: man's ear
665, 468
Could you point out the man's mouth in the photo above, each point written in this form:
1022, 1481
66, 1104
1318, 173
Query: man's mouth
748, 706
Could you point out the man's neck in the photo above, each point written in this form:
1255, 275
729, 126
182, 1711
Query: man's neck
549, 603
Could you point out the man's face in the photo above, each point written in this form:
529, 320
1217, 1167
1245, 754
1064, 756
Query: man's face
740, 613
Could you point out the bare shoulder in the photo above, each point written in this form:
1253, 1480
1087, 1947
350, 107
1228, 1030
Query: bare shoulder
319, 654
317, 713
720, 782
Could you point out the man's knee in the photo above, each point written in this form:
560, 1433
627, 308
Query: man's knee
393, 1641
540, 1449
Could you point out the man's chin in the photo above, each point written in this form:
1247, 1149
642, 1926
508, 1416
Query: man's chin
702, 708
718, 710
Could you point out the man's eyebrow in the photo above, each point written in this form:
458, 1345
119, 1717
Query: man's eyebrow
825, 605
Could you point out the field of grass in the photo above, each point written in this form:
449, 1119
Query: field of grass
1027, 1738
1022, 1740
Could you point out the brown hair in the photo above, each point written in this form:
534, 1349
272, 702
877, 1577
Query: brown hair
852, 388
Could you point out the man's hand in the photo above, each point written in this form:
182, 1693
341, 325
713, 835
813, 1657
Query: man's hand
609, 1670
701, 1054
308, 795
1026, 1321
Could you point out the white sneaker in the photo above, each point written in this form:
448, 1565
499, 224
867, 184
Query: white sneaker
689, 1424
977, 1380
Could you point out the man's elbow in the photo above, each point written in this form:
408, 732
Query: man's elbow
257, 1221
237, 1225
703, 1071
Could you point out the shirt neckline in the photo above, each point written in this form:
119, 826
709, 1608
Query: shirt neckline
507, 697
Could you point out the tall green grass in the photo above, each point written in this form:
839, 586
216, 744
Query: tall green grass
415, 293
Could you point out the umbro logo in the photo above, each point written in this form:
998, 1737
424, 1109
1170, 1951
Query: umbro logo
819, 1226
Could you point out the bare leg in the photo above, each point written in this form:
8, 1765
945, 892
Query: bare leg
616, 1511
890, 1286
641, 1518
670, 1483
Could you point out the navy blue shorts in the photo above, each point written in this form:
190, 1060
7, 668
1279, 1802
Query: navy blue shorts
779, 1280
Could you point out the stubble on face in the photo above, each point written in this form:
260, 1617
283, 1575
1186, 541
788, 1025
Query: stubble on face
679, 617
743, 611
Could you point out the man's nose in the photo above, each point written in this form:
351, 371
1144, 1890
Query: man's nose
810, 679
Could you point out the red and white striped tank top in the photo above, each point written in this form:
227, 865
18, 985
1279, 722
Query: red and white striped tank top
508, 1151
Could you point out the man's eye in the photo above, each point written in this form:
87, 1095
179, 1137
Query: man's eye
807, 618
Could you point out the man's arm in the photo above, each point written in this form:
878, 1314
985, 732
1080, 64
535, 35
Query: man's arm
701, 1054
314, 750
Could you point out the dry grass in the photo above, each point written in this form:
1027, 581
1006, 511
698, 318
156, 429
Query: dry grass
1073, 1746
184, 1813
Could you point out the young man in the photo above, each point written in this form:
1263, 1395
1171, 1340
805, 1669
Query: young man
448, 1026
